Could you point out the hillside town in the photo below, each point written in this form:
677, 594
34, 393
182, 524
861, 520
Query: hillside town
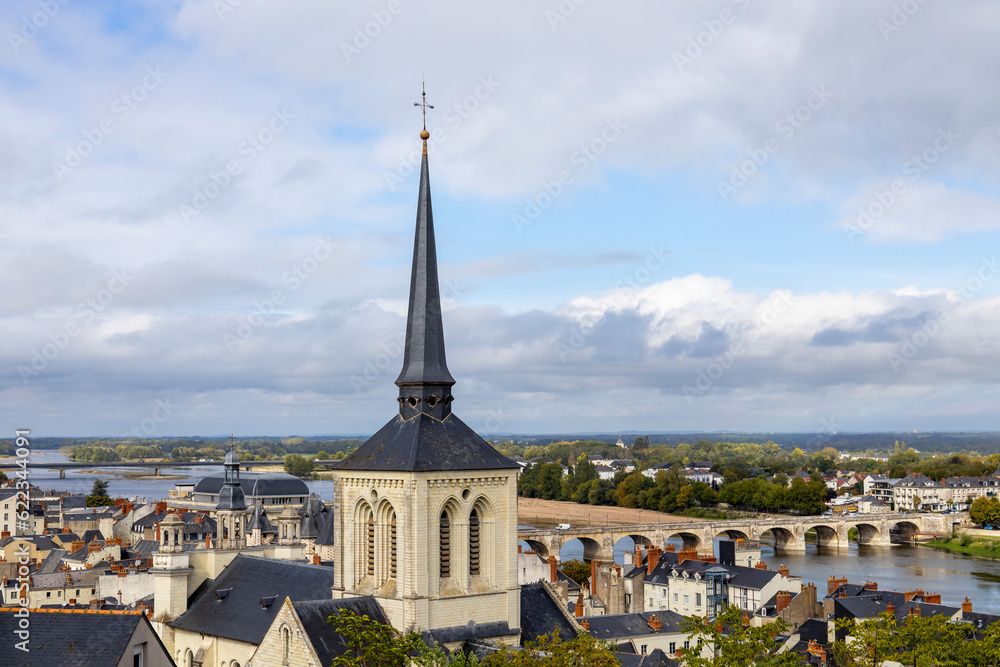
244, 569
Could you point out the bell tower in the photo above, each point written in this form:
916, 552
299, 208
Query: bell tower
231, 511
427, 509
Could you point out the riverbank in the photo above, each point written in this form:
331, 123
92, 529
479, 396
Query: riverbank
983, 547
538, 512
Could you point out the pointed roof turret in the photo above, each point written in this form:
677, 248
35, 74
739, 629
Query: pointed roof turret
425, 435
424, 382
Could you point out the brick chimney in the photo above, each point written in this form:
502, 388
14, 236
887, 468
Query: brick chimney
585, 624
65, 530
967, 606
909, 595
157, 532
208, 541
871, 586
553, 569
161, 507
784, 599
761, 565
783, 571
519, 548
594, 565
932, 598
914, 611
654, 622
316, 560
578, 611
686, 554
638, 556
652, 559
833, 583
671, 548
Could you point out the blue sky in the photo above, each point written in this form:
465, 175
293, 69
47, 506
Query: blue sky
208, 205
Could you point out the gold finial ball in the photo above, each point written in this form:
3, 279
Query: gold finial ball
424, 134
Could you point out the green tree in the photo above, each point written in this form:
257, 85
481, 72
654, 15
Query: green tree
372, 644
322, 455
576, 570
684, 497
550, 651
297, 465
98, 496
872, 641
731, 643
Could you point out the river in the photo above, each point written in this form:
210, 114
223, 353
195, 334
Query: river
894, 568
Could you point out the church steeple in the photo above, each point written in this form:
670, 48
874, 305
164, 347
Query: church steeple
424, 383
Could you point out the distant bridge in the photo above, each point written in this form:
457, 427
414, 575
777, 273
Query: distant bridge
62, 467
788, 533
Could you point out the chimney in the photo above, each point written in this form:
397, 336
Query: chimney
833, 583
208, 541
585, 624
65, 530
4, 535
871, 585
157, 532
909, 595
967, 606
671, 548
553, 569
579, 605
316, 560
891, 608
594, 565
784, 599
161, 507
652, 559
519, 547
654, 622
761, 565
686, 554
745, 620
914, 611
638, 556
783, 571
932, 598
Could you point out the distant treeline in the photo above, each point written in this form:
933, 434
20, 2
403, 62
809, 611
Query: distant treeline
106, 450
986, 442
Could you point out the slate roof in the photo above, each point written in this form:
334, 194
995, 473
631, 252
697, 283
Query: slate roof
540, 615
464, 633
655, 659
71, 640
326, 531
424, 443
41, 542
635, 624
51, 562
240, 615
740, 576
327, 643
256, 484
312, 513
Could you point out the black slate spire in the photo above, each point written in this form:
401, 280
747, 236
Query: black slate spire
424, 383
425, 435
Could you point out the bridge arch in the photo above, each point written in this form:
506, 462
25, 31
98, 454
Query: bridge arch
688, 540
782, 537
868, 533
903, 531
825, 535
733, 534
591, 548
539, 548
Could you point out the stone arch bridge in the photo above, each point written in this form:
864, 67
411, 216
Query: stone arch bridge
788, 533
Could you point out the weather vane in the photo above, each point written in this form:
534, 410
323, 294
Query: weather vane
423, 102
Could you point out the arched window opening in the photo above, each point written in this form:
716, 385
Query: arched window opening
392, 547
474, 543
445, 546
371, 545
188, 658
285, 640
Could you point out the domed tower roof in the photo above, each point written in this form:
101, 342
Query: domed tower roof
172, 519
232, 458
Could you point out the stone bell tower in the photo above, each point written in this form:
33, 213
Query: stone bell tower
426, 509
231, 511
